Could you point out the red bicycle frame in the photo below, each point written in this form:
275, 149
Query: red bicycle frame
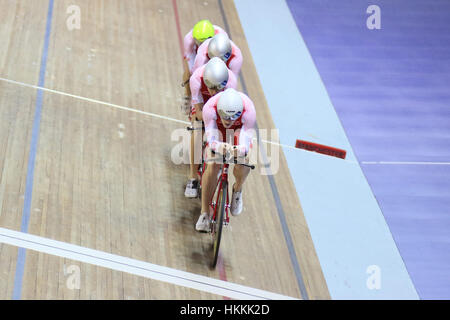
223, 178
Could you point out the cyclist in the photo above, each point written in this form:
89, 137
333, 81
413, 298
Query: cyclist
205, 82
229, 113
220, 46
202, 30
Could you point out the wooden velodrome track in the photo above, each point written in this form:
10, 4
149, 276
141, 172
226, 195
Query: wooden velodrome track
103, 177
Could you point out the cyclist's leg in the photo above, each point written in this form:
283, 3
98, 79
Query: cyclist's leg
186, 76
209, 182
240, 173
195, 158
196, 140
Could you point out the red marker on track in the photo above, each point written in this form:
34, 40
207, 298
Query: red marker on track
320, 148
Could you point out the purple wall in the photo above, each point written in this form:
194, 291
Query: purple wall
391, 90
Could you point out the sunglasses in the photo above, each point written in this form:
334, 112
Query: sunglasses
230, 118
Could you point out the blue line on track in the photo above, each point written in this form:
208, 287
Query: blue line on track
20, 265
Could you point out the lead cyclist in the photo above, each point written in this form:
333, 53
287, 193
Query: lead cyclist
230, 119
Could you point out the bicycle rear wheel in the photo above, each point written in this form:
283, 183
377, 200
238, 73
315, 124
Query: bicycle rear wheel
218, 223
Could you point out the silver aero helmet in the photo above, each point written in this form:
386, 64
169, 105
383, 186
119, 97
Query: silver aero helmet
220, 46
230, 105
215, 75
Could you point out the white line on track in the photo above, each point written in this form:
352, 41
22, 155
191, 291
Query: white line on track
187, 123
135, 267
406, 163
93, 101
143, 112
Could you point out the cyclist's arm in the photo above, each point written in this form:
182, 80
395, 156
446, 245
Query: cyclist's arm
232, 80
236, 63
209, 118
248, 128
188, 45
189, 56
195, 83
201, 58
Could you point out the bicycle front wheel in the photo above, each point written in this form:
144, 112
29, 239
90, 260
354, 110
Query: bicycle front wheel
218, 223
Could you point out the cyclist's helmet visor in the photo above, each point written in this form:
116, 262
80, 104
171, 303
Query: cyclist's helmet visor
228, 117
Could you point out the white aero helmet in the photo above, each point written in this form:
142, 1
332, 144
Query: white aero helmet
220, 46
215, 75
230, 105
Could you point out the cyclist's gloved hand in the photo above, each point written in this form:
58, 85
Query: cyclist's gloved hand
241, 151
227, 150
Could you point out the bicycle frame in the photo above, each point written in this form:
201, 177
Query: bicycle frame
216, 227
223, 178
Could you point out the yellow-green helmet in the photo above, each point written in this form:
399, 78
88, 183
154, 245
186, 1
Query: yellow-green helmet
203, 30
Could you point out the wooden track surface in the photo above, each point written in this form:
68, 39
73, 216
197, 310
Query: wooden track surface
104, 178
